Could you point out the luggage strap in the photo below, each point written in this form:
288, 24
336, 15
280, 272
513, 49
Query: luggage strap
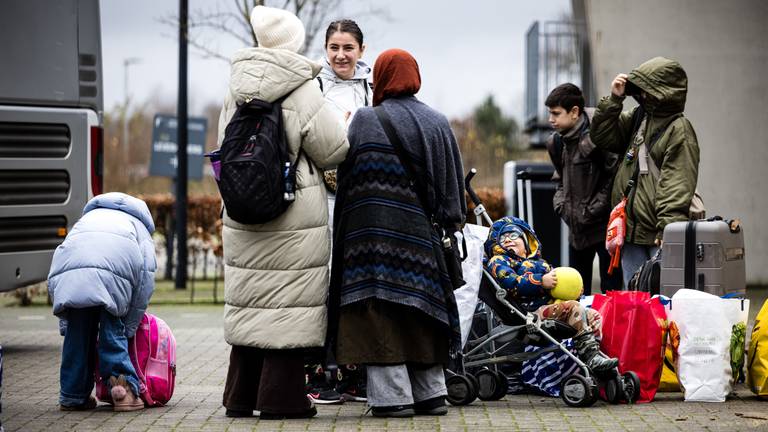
690, 255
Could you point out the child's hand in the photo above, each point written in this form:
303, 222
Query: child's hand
619, 84
549, 280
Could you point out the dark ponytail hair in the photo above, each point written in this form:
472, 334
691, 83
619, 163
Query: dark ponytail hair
344, 26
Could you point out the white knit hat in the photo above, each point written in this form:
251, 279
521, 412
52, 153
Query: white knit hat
277, 28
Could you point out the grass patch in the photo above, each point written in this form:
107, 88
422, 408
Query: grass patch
196, 292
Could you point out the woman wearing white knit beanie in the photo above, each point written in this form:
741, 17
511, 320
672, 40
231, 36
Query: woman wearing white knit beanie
277, 28
276, 279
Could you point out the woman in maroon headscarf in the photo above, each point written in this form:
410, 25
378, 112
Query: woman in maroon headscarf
392, 306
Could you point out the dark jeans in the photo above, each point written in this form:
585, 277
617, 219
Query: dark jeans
582, 261
78, 355
270, 381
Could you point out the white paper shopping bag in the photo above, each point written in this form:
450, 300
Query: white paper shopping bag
705, 323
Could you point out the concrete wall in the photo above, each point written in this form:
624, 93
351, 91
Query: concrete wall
723, 46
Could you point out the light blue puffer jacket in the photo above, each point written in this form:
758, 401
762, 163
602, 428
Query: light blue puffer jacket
108, 259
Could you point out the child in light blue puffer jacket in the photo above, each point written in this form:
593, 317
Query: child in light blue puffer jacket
100, 282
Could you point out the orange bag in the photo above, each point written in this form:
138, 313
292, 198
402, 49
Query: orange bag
614, 235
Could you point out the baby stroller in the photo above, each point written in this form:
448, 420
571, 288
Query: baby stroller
506, 324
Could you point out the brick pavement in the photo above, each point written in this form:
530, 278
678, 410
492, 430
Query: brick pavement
32, 356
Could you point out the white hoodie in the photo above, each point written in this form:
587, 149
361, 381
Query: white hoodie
346, 96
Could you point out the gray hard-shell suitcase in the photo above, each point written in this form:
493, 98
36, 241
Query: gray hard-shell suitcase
706, 255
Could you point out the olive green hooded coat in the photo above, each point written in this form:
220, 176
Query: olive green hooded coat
654, 202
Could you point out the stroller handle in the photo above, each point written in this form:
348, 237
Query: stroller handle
479, 210
468, 186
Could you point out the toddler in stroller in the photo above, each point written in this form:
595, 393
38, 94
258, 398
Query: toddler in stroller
514, 261
517, 286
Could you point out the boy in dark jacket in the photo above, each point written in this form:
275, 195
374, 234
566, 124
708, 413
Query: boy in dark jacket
513, 258
584, 176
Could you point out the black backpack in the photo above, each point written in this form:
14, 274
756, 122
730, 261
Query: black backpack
257, 177
648, 277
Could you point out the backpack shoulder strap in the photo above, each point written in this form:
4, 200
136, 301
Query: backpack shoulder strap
320, 81
644, 151
555, 150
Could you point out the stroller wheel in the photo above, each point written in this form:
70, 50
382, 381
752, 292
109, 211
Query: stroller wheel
502, 385
461, 391
631, 386
488, 384
578, 391
613, 390
473, 380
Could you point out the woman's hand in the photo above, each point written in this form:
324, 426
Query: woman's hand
619, 85
549, 280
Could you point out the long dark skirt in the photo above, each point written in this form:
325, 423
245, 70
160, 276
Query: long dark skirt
381, 332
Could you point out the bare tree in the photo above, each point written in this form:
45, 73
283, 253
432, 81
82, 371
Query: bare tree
234, 22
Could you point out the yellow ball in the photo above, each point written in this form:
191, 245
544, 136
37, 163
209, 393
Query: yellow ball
569, 284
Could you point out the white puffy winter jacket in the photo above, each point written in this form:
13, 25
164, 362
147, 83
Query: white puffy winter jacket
276, 274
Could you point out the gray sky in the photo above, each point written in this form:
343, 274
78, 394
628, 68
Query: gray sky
465, 49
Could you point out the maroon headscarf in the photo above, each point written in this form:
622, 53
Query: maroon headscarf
395, 73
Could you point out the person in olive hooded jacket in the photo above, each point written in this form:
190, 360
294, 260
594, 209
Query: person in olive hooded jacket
660, 86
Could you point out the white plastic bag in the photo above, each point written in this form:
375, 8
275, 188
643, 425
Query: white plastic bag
705, 323
472, 269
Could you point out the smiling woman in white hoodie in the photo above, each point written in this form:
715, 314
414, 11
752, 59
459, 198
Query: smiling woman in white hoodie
344, 78
344, 83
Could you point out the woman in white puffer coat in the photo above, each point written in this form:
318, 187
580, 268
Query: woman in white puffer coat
276, 274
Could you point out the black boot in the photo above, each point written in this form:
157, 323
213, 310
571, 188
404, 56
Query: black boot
588, 350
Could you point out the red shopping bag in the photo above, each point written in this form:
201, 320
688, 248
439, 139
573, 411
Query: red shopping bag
634, 327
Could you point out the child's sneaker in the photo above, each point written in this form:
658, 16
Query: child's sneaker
352, 384
325, 396
319, 390
354, 393
123, 397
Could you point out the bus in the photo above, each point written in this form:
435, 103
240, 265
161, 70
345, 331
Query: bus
51, 129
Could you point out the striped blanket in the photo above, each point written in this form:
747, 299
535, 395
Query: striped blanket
545, 372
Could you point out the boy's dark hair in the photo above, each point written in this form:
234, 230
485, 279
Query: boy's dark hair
345, 26
567, 96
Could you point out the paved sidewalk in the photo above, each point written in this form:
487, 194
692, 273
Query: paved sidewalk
32, 347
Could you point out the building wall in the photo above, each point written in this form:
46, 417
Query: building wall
723, 46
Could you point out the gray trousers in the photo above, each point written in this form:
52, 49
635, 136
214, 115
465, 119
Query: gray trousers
404, 384
633, 257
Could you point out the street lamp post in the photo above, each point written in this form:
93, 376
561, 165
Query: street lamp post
181, 153
126, 63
